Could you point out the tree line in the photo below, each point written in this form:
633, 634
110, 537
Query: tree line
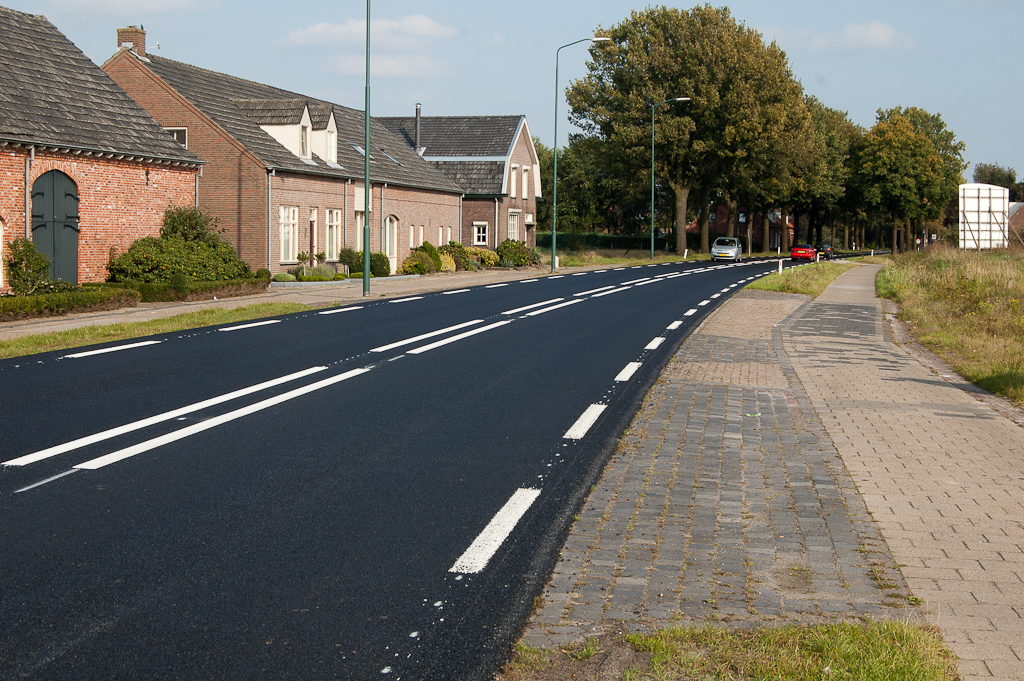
749, 138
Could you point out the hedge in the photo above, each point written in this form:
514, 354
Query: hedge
193, 290
91, 299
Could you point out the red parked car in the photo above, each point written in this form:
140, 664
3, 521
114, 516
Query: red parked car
802, 252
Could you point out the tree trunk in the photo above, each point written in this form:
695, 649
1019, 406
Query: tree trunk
895, 235
784, 221
682, 194
908, 237
766, 231
846, 235
730, 229
702, 220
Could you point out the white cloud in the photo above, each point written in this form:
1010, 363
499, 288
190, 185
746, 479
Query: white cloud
390, 65
874, 36
389, 31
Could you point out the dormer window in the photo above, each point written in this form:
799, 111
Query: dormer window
304, 140
332, 147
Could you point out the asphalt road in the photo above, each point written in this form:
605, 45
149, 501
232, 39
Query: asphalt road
374, 491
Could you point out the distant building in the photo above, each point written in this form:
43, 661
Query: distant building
83, 168
493, 160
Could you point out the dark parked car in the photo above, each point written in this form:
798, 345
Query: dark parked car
802, 252
825, 250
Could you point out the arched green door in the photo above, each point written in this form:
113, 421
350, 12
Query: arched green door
55, 223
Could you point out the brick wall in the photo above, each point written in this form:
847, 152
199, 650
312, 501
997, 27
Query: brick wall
118, 204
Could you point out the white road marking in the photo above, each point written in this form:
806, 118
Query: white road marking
674, 325
458, 290
734, 285
689, 313
635, 281
530, 307
580, 274
406, 300
495, 285
703, 303
655, 344
250, 326
599, 271
724, 290
459, 337
554, 307
557, 276
628, 371
43, 482
608, 293
652, 281
527, 281
189, 431
593, 290
584, 422
617, 269
342, 309
715, 295
488, 542
159, 418
79, 355
417, 339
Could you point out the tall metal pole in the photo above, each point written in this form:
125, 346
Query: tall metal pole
554, 183
366, 166
653, 105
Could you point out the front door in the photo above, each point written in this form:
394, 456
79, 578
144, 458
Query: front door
391, 241
55, 223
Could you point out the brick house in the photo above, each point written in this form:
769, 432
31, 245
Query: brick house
284, 172
495, 162
83, 168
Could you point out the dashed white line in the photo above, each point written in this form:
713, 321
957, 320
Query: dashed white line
585, 421
495, 285
554, 307
488, 542
599, 271
458, 337
655, 344
342, 309
634, 281
458, 290
733, 285
43, 482
557, 276
128, 452
703, 303
530, 307
716, 295
250, 326
159, 418
406, 300
79, 355
652, 281
608, 293
627, 372
674, 325
527, 281
417, 339
593, 290
689, 313
580, 274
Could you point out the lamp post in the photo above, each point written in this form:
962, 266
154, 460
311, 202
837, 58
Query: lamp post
657, 104
554, 190
366, 166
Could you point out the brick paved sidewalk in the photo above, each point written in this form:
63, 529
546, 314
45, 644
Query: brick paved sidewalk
726, 502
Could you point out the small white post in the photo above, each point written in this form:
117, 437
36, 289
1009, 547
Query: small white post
686, 252
872, 252
780, 266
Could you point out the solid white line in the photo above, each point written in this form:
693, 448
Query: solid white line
250, 326
689, 313
406, 300
159, 418
122, 454
451, 293
674, 325
608, 293
654, 344
459, 337
554, 307
417, 339
584, 422
488, 542
627, 373
43, 482
79, 355
703, 303
495, 285
627, 283
593, 290
530, 307
342, 309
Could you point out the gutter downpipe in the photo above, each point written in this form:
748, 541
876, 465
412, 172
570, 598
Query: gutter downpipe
270, 217
495, 224
28, 192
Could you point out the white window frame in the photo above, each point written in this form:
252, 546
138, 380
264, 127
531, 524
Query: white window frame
184, 134
304, 141
412, 237
360, 220
314, 226
391, 236
289, 233
479, 233
526, 182
512, 177
332, 146
517, 221
333, 233
420, 237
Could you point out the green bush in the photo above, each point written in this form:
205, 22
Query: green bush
340, 276
153, 259
380, 265
190, 223
178, 281
326, 272
284, 276
50, 304
428, 248
463, 261
516, 254
418, 262
263, 273
27, 269
352, 259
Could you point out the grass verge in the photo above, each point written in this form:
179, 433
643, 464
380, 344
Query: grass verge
808, 280
966, 307
87, 335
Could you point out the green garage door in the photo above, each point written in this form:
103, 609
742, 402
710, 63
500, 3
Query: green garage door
55, 223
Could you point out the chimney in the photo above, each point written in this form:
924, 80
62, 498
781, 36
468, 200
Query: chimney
419, 149
132, 38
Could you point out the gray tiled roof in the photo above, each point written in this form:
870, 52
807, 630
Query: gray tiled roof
217, 94
272, 111
458, 135
475, 177
52, 94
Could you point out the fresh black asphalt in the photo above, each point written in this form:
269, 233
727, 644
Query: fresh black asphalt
314, 538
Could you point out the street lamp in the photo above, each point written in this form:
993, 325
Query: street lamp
554, 190
367, 205
657, 104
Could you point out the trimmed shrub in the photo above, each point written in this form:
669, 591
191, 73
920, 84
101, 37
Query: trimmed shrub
340, 276
263, 273
380, 265
53, 304
284, 276
447, 262
152, 259
428, 248
178, 281
418, 262
459, 253
352, 259
515, 254
27, 269
190, 223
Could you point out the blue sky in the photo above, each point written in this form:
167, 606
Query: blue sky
953, 57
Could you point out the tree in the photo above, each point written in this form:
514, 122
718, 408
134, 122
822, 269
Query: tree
741, 94
547, 173
993, 173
